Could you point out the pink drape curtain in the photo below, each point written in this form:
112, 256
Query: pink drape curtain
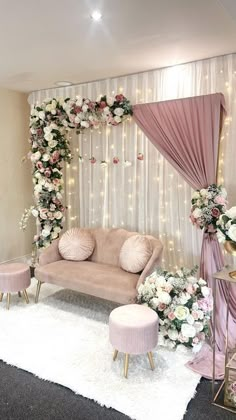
186, 132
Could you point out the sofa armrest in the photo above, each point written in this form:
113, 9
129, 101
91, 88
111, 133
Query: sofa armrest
50, 254
153, 262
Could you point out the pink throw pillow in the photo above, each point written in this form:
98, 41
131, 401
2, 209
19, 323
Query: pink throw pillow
135, 253
76, 244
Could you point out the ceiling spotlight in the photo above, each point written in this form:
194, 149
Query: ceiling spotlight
96, 15
63, 83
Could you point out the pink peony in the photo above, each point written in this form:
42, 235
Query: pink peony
47, 172
103, 104
215, 212
205, 304
220, 200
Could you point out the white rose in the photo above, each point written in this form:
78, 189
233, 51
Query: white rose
205, 291
190, 319
59, 195
106, 110
41, 115
119, 111
173, 334
188, 330
52, 143
49, 107
232, 232
191, 279
220, 236
228, 224
48, 136
196, 195
53, 112
198, 326
33, 130
54, 235
58, 215
77, 119
110, 101
37, 155
84, 124
46, 232
203, 192
57, 229
165, 298
202, 282
170, 344
200, 314
184, 297
155, 302
45, 157
35, 213
181, 312
195, 306
160, 281
65, 123
231, 213
85, 108
117, 119
79, 100
197, 213
37, 175
38, 188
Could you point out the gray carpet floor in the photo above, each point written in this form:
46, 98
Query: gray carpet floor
25, 397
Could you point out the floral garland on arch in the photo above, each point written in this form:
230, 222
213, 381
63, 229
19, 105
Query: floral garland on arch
50, 124
208, 204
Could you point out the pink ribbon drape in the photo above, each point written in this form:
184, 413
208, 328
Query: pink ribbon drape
186, 132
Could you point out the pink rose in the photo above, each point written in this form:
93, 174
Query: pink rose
190, 289
140, 156
220, 200
36, 237
161, 307
39, 165
195, 340
119, 98
171, 316
43, 214
103, 104
115, 160
92, 160
201, 336
77, 109
215, 212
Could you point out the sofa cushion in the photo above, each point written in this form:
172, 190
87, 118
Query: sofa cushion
76, 244
135, 253
101, 280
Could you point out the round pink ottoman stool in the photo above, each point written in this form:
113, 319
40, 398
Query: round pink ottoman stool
133, 329
14, 277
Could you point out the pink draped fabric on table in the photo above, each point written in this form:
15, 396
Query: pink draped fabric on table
186, 132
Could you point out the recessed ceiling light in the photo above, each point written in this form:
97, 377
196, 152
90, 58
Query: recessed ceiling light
96, 15
63, 83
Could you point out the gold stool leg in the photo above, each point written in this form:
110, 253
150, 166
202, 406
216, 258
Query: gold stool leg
8, 300
151, 360
38, 291
1, 296
26, 296
126, 365
19, 294
115, 355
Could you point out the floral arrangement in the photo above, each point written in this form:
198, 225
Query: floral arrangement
50, 124
207, 206
183, 304
227, 226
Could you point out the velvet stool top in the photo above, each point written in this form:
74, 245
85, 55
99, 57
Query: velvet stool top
133, 329
14, 277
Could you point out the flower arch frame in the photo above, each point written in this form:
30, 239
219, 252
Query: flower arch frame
50, 124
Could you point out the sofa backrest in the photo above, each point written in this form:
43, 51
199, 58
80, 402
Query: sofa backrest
108, 243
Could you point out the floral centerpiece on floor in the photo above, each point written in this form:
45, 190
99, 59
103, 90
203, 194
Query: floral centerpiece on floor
207, 206
183, 304
227, 226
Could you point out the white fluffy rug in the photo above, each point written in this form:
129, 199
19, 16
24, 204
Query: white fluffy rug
64, 339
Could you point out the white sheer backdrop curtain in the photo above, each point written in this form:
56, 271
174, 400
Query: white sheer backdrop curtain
148, 196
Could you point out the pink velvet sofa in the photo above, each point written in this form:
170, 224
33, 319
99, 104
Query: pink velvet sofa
100, 275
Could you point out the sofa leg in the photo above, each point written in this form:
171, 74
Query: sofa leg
26, 296
8, 300
38, 291
1, 296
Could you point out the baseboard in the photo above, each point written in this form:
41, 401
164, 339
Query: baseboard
23, 259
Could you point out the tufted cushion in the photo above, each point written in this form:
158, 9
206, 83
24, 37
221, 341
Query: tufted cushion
135, 253
76, 244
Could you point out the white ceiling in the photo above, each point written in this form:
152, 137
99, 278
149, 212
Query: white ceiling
44, 41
